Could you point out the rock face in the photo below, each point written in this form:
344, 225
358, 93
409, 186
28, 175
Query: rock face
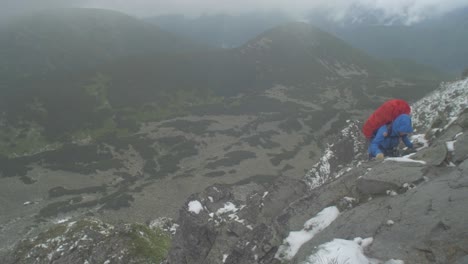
414, 210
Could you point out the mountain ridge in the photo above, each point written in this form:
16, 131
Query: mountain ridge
77, 38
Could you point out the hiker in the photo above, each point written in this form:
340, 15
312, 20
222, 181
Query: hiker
387, 137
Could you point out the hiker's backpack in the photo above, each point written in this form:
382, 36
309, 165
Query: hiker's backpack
385, 114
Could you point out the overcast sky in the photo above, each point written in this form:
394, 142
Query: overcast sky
412, 10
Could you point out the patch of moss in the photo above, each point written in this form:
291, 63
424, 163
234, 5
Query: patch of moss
175, 104
109, 126
84, 224
150, 244
99, 90
24, 139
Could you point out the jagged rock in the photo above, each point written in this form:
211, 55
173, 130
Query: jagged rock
461, 148
388, 176
450, 133
375, 187
241, 235
198, 236
430, 224
434, 155
93, 241
464, 165
461, 182
462, 120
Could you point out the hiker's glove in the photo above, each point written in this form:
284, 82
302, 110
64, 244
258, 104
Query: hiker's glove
379, 156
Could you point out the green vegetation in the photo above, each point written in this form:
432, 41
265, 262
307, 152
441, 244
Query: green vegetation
25, 139
175, 104
91, 134
151, 244
99, 90
144, 245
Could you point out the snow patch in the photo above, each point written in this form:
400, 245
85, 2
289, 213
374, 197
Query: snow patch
195, 207
312, 227
420, 138
228, 207
62, 220
404, 159
451, 145
321, 172
449, 99
342, 251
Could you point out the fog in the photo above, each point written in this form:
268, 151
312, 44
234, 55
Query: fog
411, 11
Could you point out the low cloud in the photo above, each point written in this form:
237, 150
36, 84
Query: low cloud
410, 11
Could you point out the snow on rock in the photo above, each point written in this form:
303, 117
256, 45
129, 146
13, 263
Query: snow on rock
342, 251
195, 207
320, 173
164, 223
404, 159
420, 138
394, 261
451, 146
345, 251
450, 99
312, 227
349, 199
338, 158
228, 213
228, 207
91, 239
62, 220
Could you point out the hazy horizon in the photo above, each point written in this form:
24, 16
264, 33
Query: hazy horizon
409, 11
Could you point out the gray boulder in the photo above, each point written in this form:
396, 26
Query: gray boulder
429, 224
461, 148
434, 155
389, 176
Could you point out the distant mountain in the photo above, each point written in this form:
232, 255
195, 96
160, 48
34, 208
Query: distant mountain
294, 62
305, 56
441, 42
226, 31
71, 39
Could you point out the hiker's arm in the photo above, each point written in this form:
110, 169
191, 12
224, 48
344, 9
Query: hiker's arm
407, 141
379, 138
